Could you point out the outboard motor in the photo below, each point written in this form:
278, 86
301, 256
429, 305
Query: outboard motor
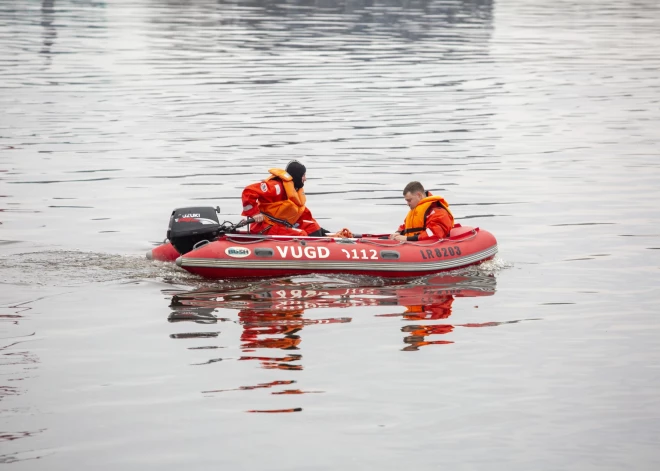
188, 226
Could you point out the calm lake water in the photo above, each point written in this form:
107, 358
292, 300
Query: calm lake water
538, 121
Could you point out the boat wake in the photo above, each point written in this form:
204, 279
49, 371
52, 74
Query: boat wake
76, 268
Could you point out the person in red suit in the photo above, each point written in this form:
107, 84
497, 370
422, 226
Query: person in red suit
429, 216
278, 205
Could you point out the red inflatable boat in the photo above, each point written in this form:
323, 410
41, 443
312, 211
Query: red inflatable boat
217, 251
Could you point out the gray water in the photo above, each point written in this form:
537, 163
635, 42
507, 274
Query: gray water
538, 121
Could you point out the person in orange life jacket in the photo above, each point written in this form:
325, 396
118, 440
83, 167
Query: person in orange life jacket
277, 205
429, 216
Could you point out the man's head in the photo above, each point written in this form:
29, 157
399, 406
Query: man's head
414, 193
297, 172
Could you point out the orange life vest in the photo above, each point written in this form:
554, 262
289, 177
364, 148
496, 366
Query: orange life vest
416, 218
292, 207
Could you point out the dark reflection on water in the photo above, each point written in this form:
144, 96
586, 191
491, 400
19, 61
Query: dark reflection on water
272, 315
362, 30
413, 20
17, 364
47, 20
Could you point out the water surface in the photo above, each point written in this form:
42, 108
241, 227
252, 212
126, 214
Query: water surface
537, 121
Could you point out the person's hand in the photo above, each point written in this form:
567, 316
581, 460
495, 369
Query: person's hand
399, 237
344, 234
258, 217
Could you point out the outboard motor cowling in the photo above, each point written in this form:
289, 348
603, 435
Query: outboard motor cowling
188, 226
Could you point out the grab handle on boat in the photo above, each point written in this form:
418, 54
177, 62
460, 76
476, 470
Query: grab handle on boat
200, 244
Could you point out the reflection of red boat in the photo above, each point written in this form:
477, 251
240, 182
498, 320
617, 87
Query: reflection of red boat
271, 312
273, 320
282, 296
220, 252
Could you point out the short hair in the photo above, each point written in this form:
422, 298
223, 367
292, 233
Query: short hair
413, 187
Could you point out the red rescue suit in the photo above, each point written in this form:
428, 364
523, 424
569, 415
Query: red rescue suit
431, 218
281, 204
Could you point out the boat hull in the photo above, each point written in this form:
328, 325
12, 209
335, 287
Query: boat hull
163, 253
250, 256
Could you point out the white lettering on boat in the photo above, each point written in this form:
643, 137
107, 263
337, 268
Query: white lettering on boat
191, 215
356, 254
237, 252
307, 252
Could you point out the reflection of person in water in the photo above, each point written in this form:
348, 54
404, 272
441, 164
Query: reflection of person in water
418, 334
269, 323
440, 309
